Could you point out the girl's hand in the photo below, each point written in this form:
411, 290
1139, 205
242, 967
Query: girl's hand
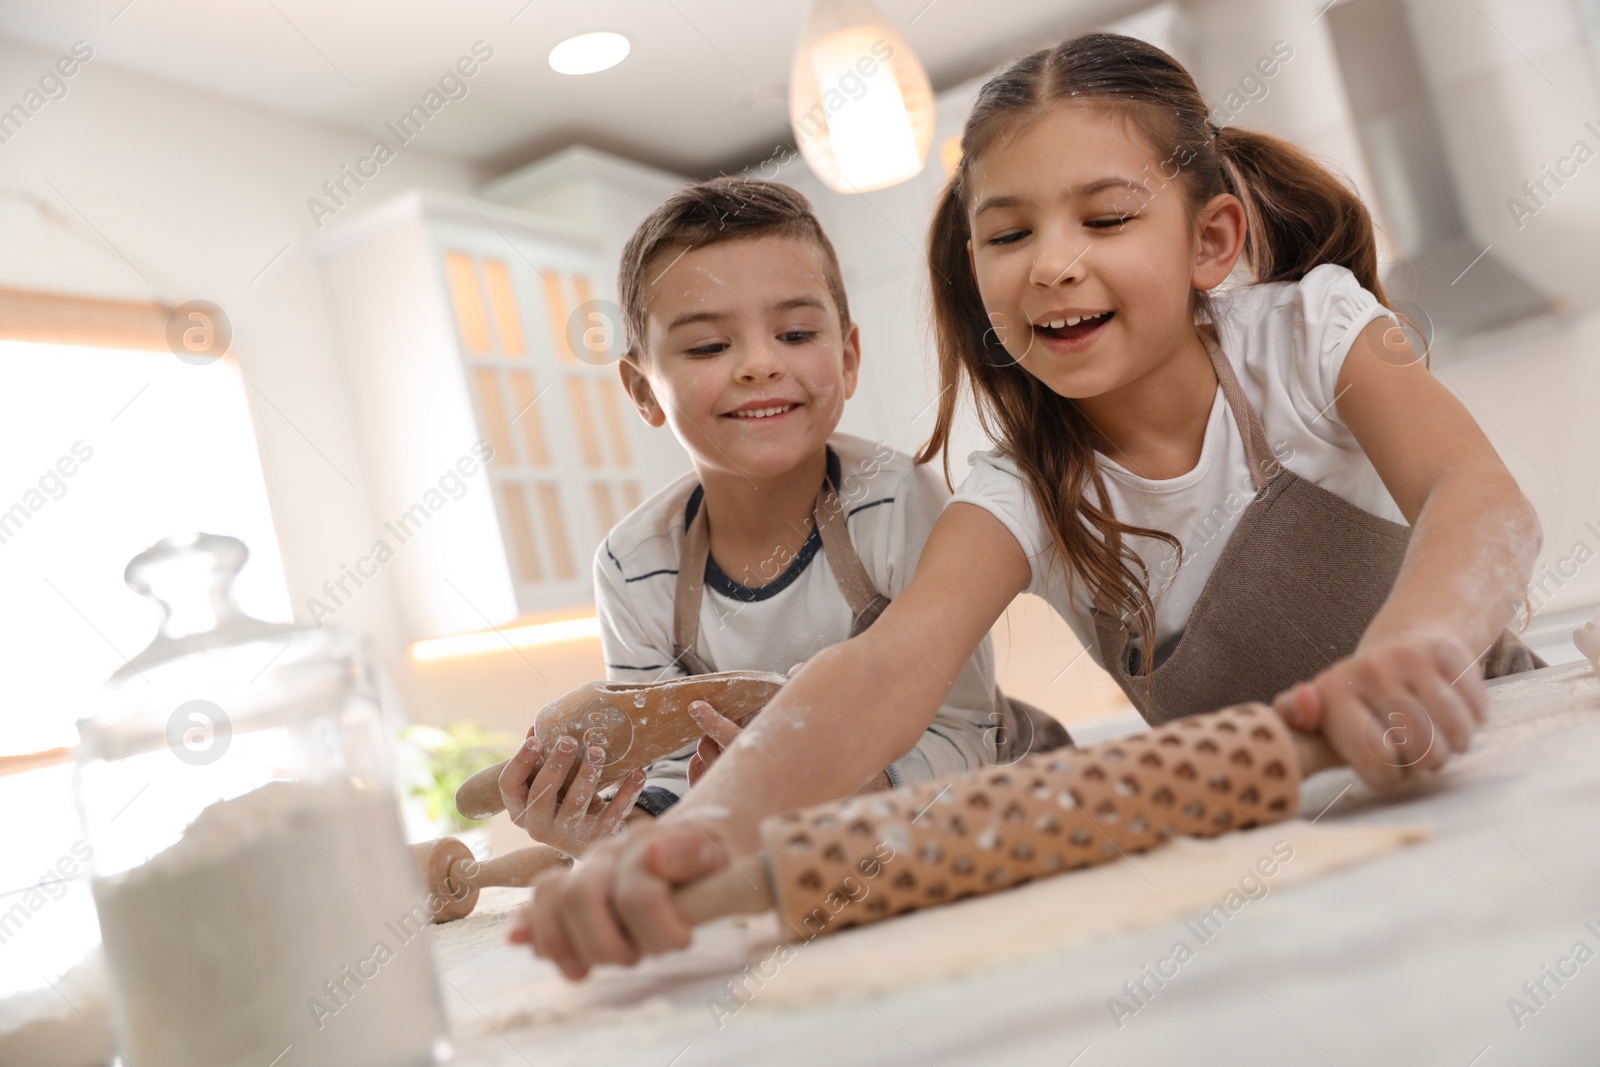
720, 733
568, 819
616, 906
1397, 705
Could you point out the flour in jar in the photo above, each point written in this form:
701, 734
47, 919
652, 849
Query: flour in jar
284, 926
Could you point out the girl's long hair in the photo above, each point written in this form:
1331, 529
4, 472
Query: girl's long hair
1298, 215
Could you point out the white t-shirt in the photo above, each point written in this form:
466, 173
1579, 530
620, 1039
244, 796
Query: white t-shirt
1286, 342
890, 507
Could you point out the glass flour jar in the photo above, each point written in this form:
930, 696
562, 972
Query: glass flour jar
257, 903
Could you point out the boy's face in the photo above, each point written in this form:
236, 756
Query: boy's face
744, 354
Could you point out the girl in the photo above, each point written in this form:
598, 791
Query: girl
1212, 489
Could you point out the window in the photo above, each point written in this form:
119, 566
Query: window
109, 450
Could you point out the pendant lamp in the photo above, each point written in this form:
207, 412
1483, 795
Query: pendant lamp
859, 101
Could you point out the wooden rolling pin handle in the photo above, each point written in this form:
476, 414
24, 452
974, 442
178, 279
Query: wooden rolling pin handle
34, 760
452, 876
479, 796
743, 888
516, 869
1314, 752
436, 861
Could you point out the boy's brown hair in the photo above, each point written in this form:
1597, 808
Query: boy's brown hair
709, 212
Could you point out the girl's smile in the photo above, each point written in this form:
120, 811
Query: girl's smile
1092, 246
1071, 331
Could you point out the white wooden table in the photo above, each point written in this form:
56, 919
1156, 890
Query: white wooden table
1407, 959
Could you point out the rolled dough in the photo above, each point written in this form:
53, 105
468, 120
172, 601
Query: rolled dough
1181, 879
492, 986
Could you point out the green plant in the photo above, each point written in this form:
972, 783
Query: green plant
453, 754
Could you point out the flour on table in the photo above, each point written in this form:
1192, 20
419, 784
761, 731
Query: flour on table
492, 984
1181, 879
59, 1024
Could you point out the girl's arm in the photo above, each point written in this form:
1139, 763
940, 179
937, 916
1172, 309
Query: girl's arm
1473, 543
858, 706
1474, 535
852, 710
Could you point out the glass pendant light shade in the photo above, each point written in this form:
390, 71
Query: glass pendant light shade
859, 101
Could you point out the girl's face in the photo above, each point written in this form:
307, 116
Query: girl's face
746, 357
1085, 252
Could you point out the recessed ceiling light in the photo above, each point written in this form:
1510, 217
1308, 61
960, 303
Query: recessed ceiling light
588, 53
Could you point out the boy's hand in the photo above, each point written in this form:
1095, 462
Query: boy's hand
568, 819
720, 733
1395, 706
616, 906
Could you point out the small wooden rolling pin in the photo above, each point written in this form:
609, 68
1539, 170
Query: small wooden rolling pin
869, 857
635, 723
453, 876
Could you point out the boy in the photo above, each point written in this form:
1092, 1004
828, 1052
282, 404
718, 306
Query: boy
788, 537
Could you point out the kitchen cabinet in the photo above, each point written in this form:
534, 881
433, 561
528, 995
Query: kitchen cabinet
481, 343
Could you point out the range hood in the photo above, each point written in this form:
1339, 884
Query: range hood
1458, 282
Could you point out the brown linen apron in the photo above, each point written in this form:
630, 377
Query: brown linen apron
866, 603
1021, 728
1296, 586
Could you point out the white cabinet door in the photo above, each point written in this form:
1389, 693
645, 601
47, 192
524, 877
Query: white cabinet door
536, 339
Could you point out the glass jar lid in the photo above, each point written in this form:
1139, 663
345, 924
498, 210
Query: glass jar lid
252, 672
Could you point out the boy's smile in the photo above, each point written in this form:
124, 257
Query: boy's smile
765, 409
745, 355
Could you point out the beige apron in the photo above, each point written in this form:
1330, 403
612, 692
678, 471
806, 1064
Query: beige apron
866, 603
1296, 586
1019, 727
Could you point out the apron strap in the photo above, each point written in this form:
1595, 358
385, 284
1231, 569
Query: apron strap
866, 603
691, 588
1111, 633
1257, 451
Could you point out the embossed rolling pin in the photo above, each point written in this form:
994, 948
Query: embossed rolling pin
866, 858
636, 724
453, 876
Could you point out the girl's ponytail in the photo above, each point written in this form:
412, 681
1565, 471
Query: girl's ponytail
1299, 213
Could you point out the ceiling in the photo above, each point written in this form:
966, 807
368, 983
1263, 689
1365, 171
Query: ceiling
702, 91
